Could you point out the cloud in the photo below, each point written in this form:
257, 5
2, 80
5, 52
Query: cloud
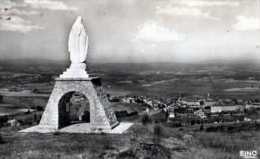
48, 4
185, 11
246, 23
16, 23
11, 14
152, 32
12, 8
14, 11
7, 4
194, 8
204, 3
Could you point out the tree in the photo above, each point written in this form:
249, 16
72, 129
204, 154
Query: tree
157, 134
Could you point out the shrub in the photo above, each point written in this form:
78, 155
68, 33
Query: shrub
1, 98
1, 139
56, 133
157, 132
146, 119
120, 114
226, 142
201, 127
3, 120
129, 154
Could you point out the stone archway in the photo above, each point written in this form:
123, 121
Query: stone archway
73, 108
101, 115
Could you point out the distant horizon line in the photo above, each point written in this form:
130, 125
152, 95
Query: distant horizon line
66, 61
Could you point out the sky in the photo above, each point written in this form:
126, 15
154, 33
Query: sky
133, 30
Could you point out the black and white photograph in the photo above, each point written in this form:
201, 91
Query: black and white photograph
129, 79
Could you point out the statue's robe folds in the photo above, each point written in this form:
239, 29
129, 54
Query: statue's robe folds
78, 42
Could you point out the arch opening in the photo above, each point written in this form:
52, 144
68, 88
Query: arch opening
74, 108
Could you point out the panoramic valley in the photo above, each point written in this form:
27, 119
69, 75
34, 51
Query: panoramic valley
129, 79
180, 110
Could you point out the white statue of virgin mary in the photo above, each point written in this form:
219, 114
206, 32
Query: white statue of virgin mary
78, 49
78, 42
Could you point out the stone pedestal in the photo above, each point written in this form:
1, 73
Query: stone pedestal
76, 70
101, 115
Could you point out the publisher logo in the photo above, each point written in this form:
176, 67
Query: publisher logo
248, 154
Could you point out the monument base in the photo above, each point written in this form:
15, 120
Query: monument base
54, 118
122, 127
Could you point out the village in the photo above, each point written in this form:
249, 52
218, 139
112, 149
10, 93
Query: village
185, 111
